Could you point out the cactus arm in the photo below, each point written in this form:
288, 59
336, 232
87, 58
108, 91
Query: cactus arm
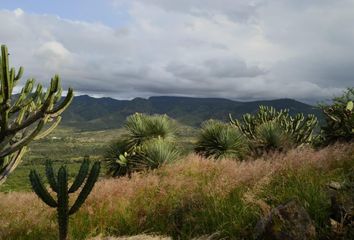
49, 171
49, 130
23, 142
15, 160
40, 190
80, 178
90, 182
63, 203
64, 105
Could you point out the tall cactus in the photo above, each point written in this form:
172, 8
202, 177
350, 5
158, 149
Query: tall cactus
24, 116
59, 185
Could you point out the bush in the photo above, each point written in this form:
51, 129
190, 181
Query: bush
220, 140
339, 117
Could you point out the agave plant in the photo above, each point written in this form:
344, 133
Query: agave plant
154, 153
220, 140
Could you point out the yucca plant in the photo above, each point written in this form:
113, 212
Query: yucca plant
142, 127
271, 137
128, 154
118, 158
220, 140
154, 153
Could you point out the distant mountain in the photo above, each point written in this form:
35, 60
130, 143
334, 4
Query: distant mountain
91, 113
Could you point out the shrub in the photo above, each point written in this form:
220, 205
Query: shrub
220, 140
339, 119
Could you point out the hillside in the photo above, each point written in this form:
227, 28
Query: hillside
105, 113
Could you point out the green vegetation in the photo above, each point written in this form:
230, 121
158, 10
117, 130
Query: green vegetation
339, 117
59, 185
146, 145
220, 140
24, 116
192, 197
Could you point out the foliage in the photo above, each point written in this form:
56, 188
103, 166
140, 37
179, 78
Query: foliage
339, 117
270, 129
271, 137
220, 140
153, 154
145, 145
59, 185
24, 116
142, 127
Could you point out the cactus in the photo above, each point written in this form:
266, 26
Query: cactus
299, 128
24, 116
339, 118
59, 185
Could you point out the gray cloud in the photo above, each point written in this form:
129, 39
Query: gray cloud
228, 48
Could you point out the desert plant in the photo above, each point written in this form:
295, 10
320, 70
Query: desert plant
118, 158
59, 185
271, 137
339, 119
127, 154
142, 127
153, 154
220, 140
24, 116
298, 128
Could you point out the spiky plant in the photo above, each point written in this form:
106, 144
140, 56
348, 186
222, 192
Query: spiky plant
271, 137
59, 185
339, 117
118, 158
154, 153
298, 127
220, 140
29, 115
142, 127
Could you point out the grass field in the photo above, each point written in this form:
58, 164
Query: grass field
69, 146
192, 197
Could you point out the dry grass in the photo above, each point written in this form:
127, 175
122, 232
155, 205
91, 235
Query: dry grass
132, 202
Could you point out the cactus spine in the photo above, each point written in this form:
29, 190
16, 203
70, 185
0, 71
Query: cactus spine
23, 117
60, 186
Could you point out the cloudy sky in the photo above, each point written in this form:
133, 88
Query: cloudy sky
238, 49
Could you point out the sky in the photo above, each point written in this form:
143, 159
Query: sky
237, 49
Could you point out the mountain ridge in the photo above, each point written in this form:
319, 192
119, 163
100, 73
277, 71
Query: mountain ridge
91, 113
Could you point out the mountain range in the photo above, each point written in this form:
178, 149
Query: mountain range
89, 113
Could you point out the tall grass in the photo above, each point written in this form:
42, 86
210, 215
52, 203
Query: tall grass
189, 198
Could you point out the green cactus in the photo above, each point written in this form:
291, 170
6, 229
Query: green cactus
298, 128
59, 185
24, 117
339, 117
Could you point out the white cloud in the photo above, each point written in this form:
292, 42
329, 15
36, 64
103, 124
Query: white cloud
227, 48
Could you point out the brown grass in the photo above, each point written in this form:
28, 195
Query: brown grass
24, 212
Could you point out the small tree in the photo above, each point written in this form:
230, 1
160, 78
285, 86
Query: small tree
26, 116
